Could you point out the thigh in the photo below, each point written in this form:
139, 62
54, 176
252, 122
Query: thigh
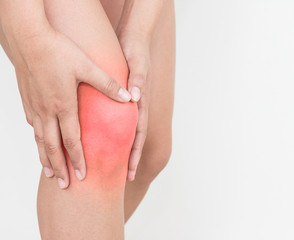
162, 78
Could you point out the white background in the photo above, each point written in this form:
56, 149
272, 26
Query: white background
231, 172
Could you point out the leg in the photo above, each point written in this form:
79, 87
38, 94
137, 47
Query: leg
157, 149
93, 208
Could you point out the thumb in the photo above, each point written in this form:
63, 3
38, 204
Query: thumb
137, 79
100, 80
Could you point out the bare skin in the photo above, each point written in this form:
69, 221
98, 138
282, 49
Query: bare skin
49, 67
157, 147
156, 150
93, 208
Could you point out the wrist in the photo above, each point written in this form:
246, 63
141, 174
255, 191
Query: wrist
133, 36
139, 17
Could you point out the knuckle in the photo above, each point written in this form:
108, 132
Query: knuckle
139, 79
109, 85
39, 139
60, 107
139, 76
136, 148
51, 148
140, 60
75, 162
70, 143
62, 112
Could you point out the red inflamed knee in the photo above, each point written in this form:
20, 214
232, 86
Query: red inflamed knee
108, 130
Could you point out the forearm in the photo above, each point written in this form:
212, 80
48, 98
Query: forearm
22, 19
140, 16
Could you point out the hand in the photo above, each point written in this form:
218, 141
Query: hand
136, 50
49, 68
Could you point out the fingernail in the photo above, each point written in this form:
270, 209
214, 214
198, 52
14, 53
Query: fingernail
78, 174
132, 175
48, 172
124, 94
61, 183
135, 94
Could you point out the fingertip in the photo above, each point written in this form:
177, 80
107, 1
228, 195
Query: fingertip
62, 184
80, 174
124, 95
136, 94
133, 163
131, 175
131, 179
48, 172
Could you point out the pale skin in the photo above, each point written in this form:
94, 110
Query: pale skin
107, 210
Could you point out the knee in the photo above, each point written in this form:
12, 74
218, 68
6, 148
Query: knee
107, 130
153, 161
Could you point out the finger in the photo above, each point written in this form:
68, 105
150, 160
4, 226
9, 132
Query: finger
54, 151
137, 78
97, 78
39, 138
136, 155
71, 135
141, 133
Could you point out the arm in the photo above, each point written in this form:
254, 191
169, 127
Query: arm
134, 32
29, 21
22, 19
49, 67
140, 17
93, 208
